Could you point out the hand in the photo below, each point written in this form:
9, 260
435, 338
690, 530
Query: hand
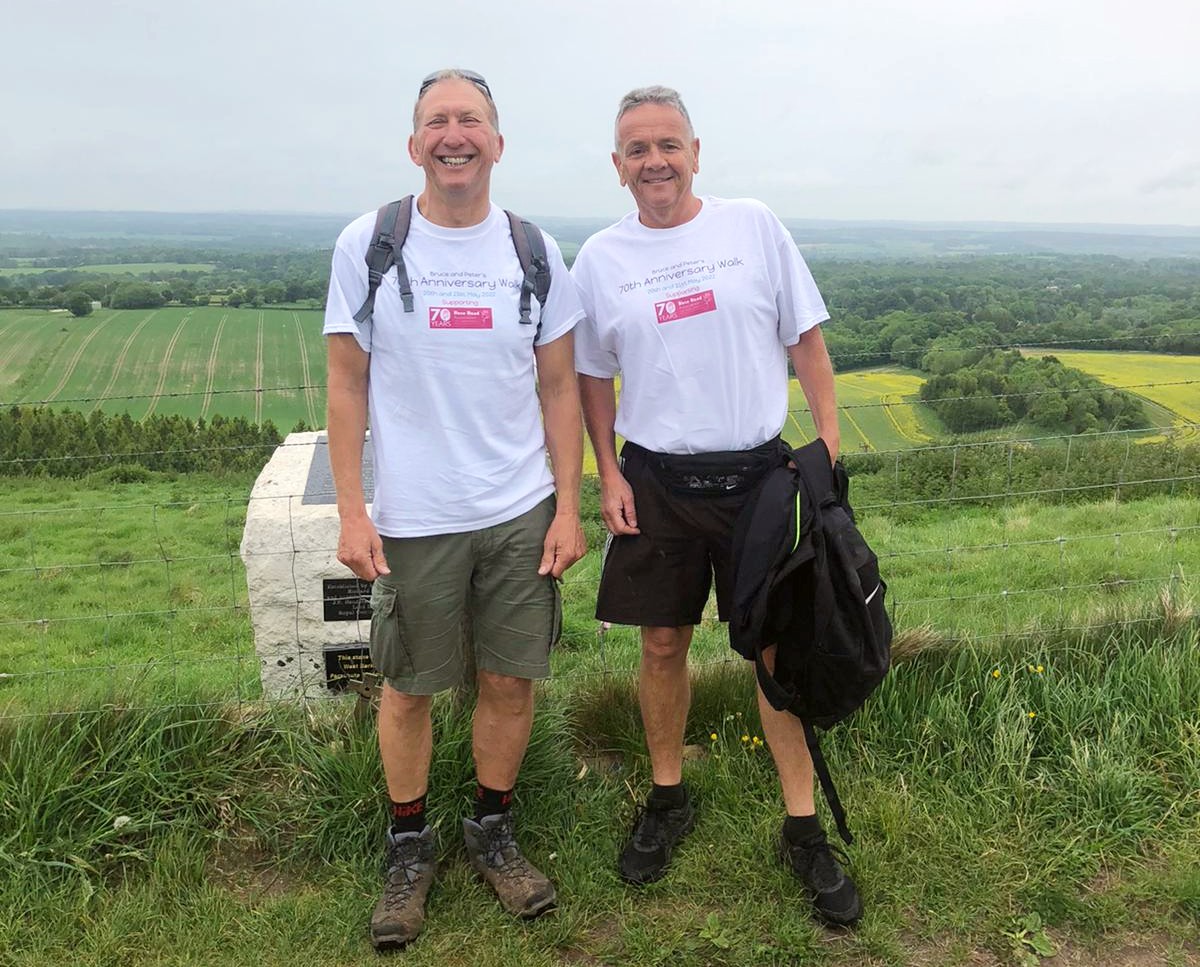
360, 548
616, 506
564, 545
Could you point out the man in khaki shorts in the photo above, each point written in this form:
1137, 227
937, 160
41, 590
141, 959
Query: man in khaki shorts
464, 519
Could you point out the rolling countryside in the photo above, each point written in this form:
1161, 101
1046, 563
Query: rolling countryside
269, 364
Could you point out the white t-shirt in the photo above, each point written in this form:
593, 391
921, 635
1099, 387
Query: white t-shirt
455, 423
696, 320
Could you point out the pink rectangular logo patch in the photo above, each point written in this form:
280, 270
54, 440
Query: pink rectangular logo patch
457, 317
684, 306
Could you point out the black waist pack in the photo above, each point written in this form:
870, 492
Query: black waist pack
721, 473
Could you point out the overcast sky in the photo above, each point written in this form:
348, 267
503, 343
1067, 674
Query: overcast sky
1023, 110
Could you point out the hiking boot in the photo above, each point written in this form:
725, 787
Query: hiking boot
816, 864
657, 830
408, 874
523, 890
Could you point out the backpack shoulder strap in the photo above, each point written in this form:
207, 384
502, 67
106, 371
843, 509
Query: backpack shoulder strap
391, 229
831, 795
531, 253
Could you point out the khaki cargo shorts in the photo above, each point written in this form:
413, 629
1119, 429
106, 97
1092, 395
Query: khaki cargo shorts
481, 583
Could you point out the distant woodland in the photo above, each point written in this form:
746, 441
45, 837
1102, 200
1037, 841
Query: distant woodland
957, 318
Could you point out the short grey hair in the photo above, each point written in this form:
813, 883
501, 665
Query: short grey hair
457, 73
655, 94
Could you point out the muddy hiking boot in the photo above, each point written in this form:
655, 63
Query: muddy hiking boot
523, 890
408, 874
815, 863
657, 830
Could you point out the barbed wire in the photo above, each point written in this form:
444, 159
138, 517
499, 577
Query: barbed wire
306, 387
1179, 428
64, 635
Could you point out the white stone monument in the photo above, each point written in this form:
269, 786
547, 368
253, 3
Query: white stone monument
311, 616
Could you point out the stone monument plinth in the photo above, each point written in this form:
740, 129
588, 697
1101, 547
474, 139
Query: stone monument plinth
311, 616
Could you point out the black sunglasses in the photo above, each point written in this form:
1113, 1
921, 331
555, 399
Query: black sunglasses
476, 79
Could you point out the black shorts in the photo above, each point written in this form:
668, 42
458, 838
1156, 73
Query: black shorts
662, 576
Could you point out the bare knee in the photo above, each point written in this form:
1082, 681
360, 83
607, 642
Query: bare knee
503, 693
401, 709
666, 646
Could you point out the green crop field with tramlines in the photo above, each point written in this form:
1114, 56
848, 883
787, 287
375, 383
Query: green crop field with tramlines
261, 364
879, 410
269, 364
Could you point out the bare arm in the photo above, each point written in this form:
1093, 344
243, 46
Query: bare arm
810, 360
558, 391
359, 546
600, 413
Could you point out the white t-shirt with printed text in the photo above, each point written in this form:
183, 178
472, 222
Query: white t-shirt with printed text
455, 422
696, 319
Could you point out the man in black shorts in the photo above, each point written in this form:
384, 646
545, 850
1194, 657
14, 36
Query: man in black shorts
699, 303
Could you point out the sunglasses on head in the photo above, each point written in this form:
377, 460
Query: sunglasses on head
476, 79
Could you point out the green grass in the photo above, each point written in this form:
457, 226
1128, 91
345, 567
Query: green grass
187, 361
252, 830
249, 834
141, 585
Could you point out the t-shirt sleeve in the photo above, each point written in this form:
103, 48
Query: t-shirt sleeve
348, 289
797, 297
593, 357
562, 311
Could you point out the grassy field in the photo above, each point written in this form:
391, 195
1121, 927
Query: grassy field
879, 410
270, 364
1035, 754
1179, 398
1038, 796
130, 268
262, 364
141, 585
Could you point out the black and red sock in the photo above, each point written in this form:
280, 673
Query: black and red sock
408, 817
490, 802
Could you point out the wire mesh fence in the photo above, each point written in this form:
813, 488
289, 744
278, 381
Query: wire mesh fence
137, 592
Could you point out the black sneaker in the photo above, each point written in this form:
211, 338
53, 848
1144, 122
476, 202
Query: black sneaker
408, 875
656, 832
816, 864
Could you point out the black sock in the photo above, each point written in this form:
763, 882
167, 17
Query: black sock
408, 817
803, 829
490, 802
666, 797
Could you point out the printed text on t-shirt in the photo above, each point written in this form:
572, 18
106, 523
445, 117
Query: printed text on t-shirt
683, 306
459, 317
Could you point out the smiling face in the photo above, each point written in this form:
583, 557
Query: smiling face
455, 140
656, 159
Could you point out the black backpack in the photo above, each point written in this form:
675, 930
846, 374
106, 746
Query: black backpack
391, 229
805, 580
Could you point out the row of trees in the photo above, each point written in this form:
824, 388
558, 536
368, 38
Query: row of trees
1003, 387
40, 441
903, 311
235, 278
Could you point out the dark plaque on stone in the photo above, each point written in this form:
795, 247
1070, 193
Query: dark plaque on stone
345, 664
346, 599
318, 488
